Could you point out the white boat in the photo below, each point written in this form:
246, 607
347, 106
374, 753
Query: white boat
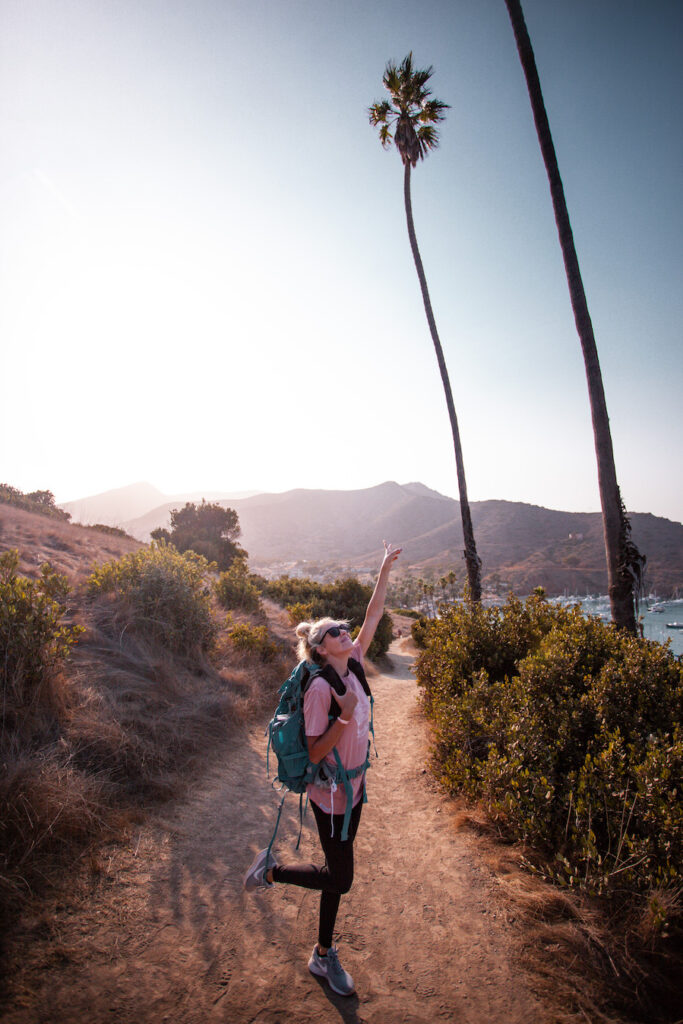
674, 625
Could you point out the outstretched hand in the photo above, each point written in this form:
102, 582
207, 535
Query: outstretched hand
376, 606
390, 554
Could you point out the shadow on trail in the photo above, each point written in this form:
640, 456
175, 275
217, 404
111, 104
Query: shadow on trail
346, 1006
196, 895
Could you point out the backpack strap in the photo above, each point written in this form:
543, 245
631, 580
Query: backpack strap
332, 677
346, 774
359, 672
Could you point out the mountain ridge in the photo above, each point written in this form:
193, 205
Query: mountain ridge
123, 504
520, 544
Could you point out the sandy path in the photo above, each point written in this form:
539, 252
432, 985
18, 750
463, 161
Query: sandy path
171, 936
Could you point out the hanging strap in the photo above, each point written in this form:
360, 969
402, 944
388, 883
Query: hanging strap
303, 807
372, 725
277, 825
345, 776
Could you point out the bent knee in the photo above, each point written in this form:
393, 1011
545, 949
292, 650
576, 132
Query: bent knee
342, 882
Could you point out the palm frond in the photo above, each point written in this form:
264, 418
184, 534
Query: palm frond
378, 113
406, 67
433, 110
385, 135
420, 78
428, 139
392, 79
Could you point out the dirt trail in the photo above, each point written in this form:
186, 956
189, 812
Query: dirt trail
171, 936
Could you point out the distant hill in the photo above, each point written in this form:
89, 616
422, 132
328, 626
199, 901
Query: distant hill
520, 545
116, 507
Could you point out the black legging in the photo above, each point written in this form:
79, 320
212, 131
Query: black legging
336, 877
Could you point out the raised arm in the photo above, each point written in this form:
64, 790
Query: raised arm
376, 605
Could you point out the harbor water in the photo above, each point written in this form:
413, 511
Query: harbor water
658, 618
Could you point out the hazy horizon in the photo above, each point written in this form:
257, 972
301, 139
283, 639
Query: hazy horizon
212, 494
205, 274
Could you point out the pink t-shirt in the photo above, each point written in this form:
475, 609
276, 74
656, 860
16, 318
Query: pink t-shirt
353, 744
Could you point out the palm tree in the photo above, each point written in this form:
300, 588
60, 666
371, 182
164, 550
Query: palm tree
624, 562
413, 115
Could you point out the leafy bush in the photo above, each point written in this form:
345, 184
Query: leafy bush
408, 613
42, 502
236, 589
287, 590
252, 640
419, 630
569, 731
346, 598
113, 531
33, 638
209, 529
164, 593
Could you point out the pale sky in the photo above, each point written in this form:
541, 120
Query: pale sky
205, 274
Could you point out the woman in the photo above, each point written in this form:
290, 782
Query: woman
327, 643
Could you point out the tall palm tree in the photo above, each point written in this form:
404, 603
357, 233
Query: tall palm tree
624, 562
413, 116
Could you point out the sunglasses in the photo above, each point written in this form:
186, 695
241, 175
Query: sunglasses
333, 631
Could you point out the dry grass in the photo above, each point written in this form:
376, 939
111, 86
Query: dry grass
146, 718
124, 725
51, 813
70, 549
592, 964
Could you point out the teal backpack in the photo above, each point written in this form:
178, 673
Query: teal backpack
287, 738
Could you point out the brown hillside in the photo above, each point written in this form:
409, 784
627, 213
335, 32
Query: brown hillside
70, 549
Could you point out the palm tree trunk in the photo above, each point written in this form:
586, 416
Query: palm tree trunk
472, 560
623, 560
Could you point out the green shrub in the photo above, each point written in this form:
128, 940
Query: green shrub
209, 529
300, 612
569, 732
287, 590
252, 640
418, 631
407, 613
33, 638
346, 598
236, 589
163, 592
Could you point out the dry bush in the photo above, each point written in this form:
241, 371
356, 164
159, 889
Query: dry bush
146, 718
50, 814
127, 724
586, 965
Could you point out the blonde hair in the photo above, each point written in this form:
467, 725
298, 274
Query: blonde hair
311, 634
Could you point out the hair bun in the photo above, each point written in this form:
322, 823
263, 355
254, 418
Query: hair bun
303, 630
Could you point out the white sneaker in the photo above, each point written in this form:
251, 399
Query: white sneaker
339, 980
255, 877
